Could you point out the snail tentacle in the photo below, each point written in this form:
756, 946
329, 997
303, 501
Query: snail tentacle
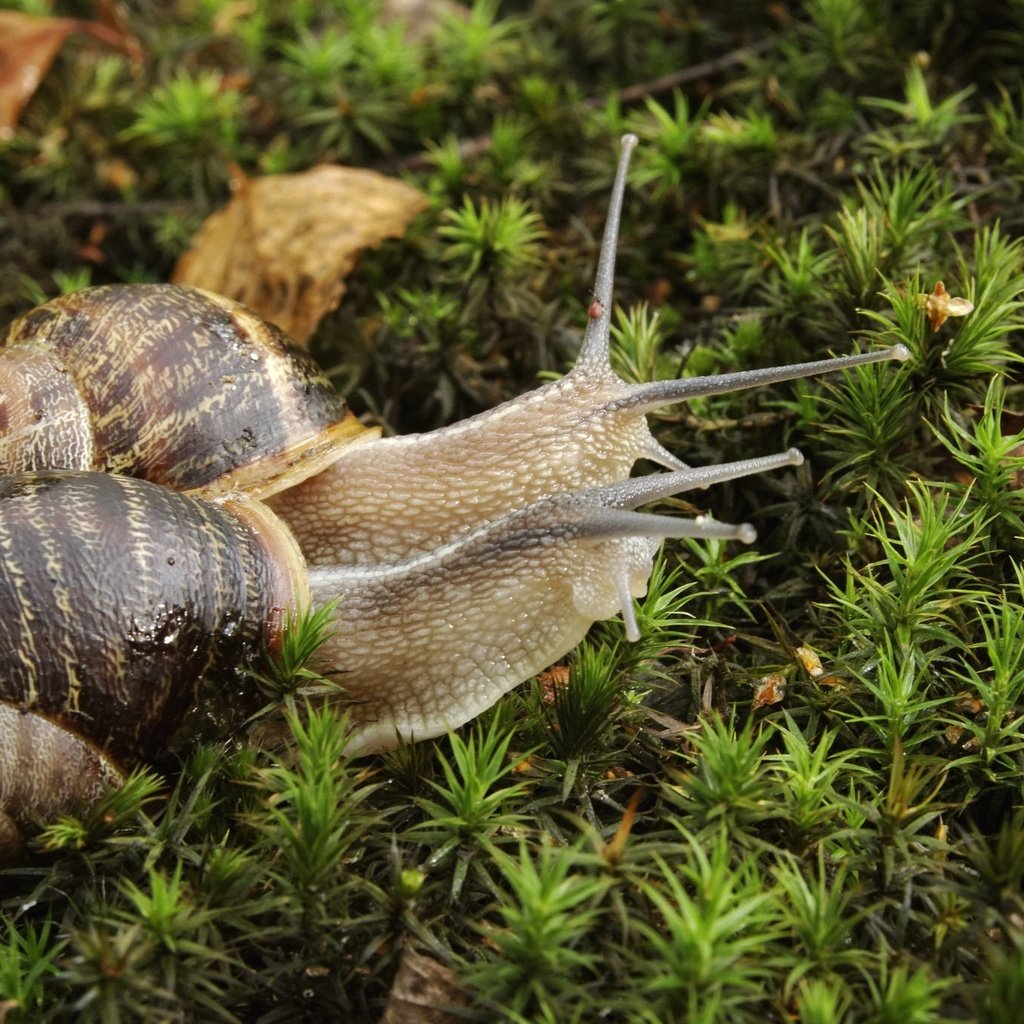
644, 398
392, 498
595, 350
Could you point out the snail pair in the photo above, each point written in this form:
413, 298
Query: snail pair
177, 477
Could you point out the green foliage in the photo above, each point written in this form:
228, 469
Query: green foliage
904, 995
808, 780
28, 956
717, 567
472, 811
582, 711
729, 786
195, 118
707, 959
923, 124
480, 46
823, 1002
666, 158
349, 89
1005, 988
996, 678
308, 825
818, 913
915, 591
994, 462
288, 674
536, 957
112, 812
491, 247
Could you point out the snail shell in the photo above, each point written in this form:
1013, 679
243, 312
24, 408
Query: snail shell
170, 384
116, 597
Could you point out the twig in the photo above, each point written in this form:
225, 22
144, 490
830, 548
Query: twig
671, 81
115, 208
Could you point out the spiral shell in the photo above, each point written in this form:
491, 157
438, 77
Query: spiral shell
116, 597
170, 384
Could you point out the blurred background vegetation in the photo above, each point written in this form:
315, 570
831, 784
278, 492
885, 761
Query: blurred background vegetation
715, 824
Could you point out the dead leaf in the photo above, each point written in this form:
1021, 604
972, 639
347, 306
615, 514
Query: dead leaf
230, 13
670, 728
554, 679
969, 703
284, 243
833, 683
423, 992
28, 46
114, 15
955, 738
939, 305
769, 690
810, 661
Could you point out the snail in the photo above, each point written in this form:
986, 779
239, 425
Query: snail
177, 478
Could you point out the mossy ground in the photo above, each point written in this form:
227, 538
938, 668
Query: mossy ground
650, 842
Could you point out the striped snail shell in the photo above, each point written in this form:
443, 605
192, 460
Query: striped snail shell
116, 597
170, 384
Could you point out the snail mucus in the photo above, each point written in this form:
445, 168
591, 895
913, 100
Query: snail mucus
177, 477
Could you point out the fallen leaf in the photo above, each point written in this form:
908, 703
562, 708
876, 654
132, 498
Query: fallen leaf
284, 243
423, 992
554, 679
670, 728
969, 703
769, 690
833, 682
955, 738
114, 15
939, 305
231, 13
810, 661
117, 174
28, 46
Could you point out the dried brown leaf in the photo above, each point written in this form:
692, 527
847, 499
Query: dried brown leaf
423, 992
769, 690
28, 46
810, 661
284, 243
554, 679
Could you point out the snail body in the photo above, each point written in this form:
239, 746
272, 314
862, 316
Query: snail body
459, 563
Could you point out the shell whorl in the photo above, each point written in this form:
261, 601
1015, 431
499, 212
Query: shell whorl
44, 421
183, 387
117, 596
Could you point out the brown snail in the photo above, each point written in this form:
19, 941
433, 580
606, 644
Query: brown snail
462, 561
